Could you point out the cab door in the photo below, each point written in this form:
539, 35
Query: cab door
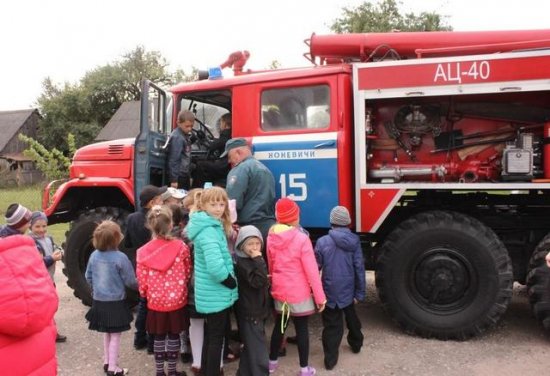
151, 145
298, 143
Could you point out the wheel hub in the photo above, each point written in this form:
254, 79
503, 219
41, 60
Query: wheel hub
442, 278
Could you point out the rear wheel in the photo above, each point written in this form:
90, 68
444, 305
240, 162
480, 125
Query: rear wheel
79, 247
444, 275
538, 282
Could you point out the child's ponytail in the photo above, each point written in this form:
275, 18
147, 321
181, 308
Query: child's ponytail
159, 221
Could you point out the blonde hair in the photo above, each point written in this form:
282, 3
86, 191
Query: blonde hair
215, 194
159, 220
107, 236
188, 201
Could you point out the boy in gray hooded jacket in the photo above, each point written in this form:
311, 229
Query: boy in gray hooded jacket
253, 304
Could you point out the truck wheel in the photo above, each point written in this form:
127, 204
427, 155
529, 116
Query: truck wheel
79, 247
538, 282
444, 275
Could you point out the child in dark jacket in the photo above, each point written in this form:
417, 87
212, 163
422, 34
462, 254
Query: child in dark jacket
253, 304
340, 258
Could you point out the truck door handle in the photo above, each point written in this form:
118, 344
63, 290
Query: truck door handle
325, 144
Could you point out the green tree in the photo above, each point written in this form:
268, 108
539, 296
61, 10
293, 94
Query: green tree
52, 162
385, 16
64, 110
85, 107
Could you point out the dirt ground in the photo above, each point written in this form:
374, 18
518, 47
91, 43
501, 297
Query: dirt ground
517, 346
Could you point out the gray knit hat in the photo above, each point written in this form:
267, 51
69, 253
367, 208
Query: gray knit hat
339, 216
246, 232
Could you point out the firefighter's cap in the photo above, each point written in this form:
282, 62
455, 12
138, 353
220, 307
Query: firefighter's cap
232, 144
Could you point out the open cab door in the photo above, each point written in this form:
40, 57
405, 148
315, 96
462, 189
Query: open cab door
151, 144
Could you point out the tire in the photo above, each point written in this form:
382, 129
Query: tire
79, 247
444, 275
538, 283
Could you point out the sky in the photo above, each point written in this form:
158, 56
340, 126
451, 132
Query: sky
64, 39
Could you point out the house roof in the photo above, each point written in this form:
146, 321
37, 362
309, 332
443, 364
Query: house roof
123, 124
10, 123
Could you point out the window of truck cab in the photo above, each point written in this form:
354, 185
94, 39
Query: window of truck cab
295, 108
206, 113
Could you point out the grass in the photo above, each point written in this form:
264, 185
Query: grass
31, 198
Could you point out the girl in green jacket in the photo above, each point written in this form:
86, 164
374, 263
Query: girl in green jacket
215, 283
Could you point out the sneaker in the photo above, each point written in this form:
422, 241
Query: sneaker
120, 372
310, 371
196, 371
273, 364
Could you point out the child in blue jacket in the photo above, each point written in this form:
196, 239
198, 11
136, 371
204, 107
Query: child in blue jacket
340, 258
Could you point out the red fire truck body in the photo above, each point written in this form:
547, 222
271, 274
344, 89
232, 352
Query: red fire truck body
438, 143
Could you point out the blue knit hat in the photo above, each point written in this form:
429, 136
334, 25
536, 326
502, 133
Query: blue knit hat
38, 215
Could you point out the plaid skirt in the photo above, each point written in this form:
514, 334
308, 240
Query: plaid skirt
109, 317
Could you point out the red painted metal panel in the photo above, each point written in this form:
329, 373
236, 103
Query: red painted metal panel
343, 102
375, 203
473, 71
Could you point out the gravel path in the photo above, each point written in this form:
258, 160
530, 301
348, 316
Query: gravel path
517, 346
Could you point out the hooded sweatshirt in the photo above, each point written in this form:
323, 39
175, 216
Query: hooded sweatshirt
253, 303
291, 261
213, 264
340, 258
163, 270
28, 302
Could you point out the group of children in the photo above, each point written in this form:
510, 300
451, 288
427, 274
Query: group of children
192, 274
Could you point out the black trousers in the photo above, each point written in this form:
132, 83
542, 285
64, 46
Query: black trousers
214, 333
333, 331
254, 359
140, 337
302, 338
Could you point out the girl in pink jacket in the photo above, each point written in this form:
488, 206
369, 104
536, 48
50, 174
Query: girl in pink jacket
294, 277
163, 270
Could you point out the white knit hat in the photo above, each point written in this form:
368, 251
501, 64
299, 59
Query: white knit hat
17, 216
339, 216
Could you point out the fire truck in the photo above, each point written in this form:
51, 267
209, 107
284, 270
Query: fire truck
437, 143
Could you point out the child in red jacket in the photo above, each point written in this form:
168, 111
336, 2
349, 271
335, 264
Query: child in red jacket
163, 270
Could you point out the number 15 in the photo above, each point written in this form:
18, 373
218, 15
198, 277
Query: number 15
294, 183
